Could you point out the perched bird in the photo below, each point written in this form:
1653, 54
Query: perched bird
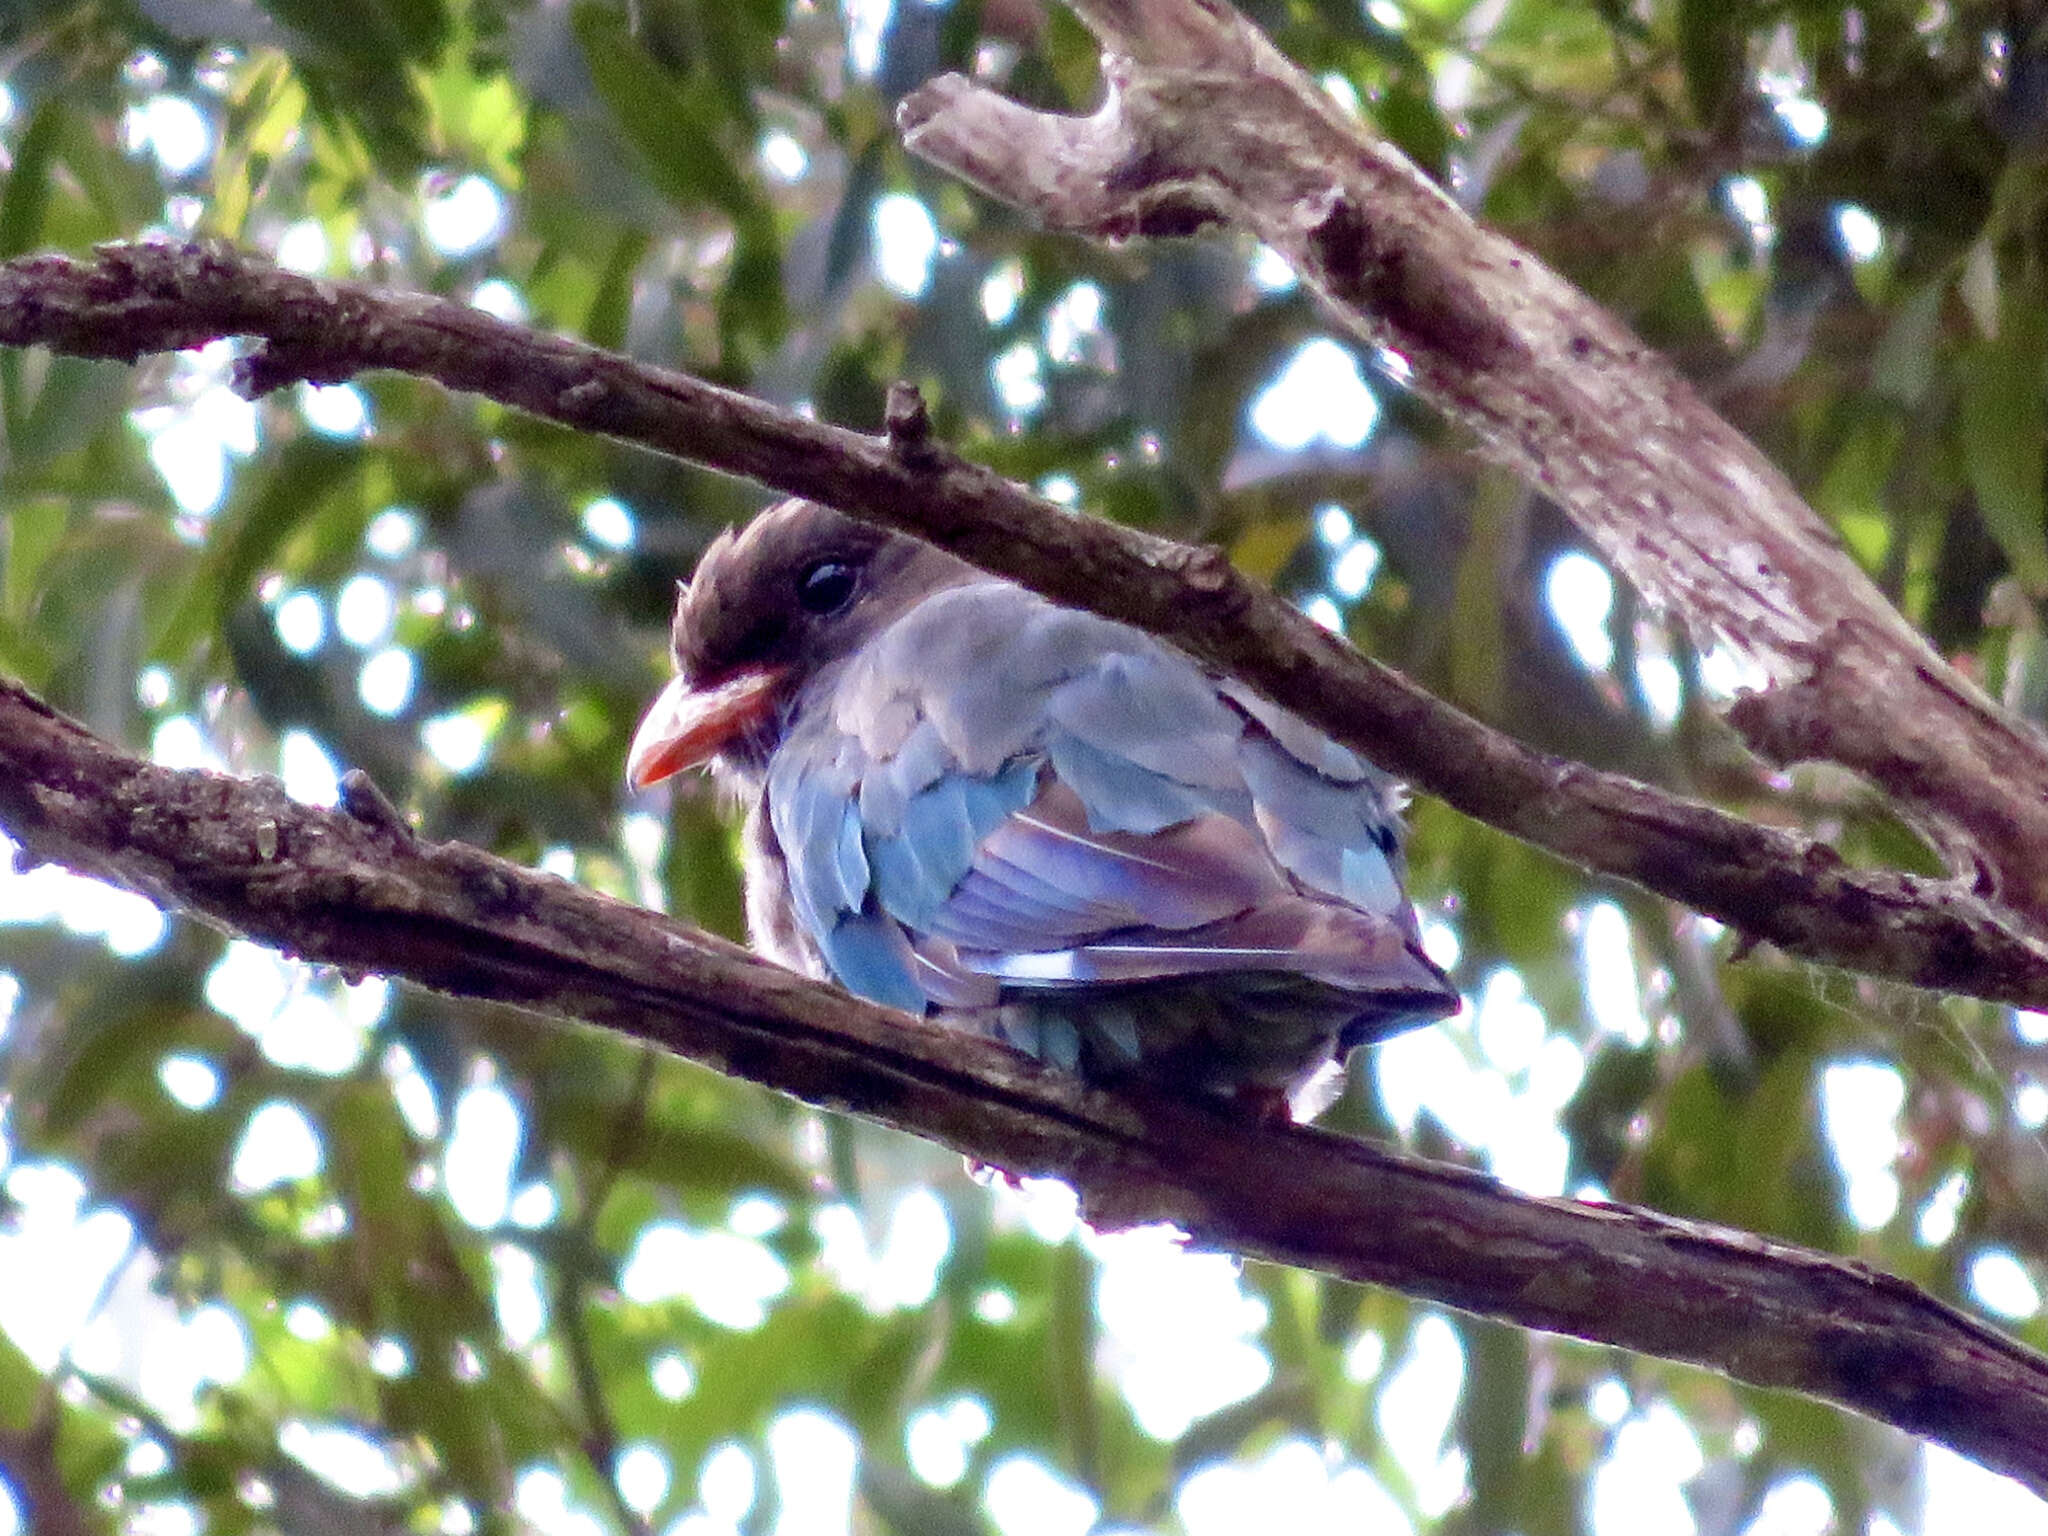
967, 801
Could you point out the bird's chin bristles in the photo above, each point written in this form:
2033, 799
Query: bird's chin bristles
1317, 1092
738, 779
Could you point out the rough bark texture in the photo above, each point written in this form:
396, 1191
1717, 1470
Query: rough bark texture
30, 1462
1204, 121
354, 888
1768, 883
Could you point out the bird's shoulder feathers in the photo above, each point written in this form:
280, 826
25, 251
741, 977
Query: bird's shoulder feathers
999, 792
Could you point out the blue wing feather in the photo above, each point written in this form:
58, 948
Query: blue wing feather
1287, 789
1154, 712
1302, 741
940, 835
1335, 837
870, 956
1053, 798
1122, 796
980, 920
808, 812
1017, 885
899, 882
850, 860
1366, 879
941, 831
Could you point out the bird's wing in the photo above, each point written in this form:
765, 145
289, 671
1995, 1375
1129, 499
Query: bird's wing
1001, 793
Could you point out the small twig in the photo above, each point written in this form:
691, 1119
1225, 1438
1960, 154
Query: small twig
32, 1462
364, 800
601, 1435
908, 424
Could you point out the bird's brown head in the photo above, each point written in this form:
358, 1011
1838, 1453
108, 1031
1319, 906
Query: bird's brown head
798, 588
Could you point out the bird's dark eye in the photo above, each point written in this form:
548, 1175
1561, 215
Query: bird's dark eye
826, 586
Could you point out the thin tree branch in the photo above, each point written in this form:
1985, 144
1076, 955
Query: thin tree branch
365, 895
600, 1438
1204, 121
1770, 884
30, 1461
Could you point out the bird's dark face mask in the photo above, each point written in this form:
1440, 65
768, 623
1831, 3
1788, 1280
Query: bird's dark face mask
768, 609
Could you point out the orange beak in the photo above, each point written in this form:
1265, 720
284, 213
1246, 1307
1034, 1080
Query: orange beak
684, 726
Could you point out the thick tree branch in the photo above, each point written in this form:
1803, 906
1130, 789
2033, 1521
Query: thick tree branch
1771, 884
363, 894
1205, 121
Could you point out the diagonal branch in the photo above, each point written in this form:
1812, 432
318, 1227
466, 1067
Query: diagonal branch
1771, 884
1204, 121
357, 890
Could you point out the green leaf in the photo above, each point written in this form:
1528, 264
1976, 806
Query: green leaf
422, 25
85, 1449
1854, 492
1074, 56
1479, 663
1906, 359
28, 536
2003, 419
677, 1157
1493, 1424
27, 198
1070, 1356
75, 401
909, 1508
359, 65
604, 324
300, 480
1711, 37
1408, 116
105, 193
670, 126
808, 1348
848, 241
702, 870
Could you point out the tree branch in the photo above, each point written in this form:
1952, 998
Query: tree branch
1768, 883
30, 1461
1204, 121
365, 895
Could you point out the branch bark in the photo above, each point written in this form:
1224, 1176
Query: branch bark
32, 1464
1770, 884
1204, 121
355, 889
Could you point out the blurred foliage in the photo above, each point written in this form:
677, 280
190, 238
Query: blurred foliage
1831, 216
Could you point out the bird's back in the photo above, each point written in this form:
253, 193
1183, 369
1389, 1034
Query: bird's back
1055, 828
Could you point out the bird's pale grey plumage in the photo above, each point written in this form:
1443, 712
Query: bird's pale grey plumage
1037, 822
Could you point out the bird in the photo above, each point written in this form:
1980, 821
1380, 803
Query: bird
1044, 826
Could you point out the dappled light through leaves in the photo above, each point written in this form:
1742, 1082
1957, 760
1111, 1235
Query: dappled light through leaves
282, 1248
